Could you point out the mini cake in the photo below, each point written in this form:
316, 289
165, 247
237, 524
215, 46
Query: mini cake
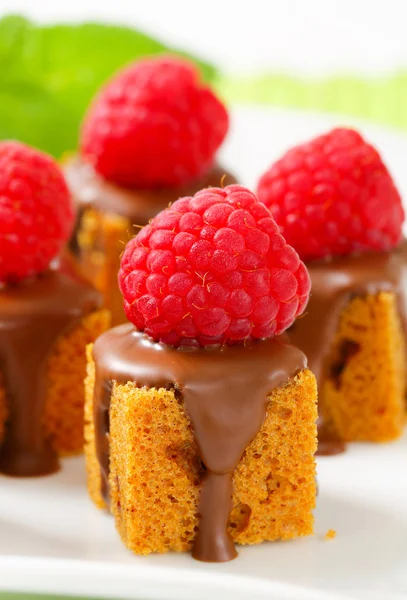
200, 417
337, 204
149, 138
47, 316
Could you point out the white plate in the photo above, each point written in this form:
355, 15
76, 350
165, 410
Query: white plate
53, 540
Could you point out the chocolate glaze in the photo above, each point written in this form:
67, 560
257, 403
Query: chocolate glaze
334, 283
33, 314
225, 393
138, 205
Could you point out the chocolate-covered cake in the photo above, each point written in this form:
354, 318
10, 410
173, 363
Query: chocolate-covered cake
47, 316
338, 206
149, 138
354, 338
200, 416
188, 457
45, 323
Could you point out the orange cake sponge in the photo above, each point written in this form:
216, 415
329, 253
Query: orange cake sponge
156, 473
363, 392
63, 411
100, 240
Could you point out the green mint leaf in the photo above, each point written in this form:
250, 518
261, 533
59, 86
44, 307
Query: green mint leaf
50, 74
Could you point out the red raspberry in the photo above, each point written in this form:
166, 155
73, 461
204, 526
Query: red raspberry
212, 268
154, 125
333, 196
36, 215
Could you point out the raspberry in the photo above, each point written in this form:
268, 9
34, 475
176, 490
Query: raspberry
210, 269
154, 125
36, 215
333, 196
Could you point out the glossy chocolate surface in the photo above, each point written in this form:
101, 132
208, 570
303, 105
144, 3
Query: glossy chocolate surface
138, 205
33, 314
225, 393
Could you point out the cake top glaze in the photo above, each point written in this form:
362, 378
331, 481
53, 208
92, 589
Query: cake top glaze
91, 190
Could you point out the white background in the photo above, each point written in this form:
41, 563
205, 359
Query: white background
303, 36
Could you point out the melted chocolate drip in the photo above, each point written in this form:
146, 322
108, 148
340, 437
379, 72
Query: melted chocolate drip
138, 205
329, 444
225, 393
34, 314
334, 283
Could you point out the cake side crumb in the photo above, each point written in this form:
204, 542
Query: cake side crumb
156, 474
94, 479
63, 413
330, 534
363, 395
